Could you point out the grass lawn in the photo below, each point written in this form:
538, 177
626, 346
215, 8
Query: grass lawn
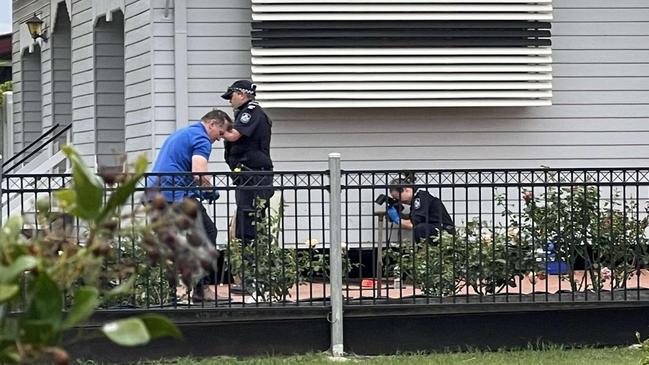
555, 356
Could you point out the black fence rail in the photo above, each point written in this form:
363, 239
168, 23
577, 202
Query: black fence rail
546, 235
519, 236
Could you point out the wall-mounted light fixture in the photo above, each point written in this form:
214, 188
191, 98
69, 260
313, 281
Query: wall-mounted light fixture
35, 26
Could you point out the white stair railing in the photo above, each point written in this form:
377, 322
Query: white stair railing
21, 193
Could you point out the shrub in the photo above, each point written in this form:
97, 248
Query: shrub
41, 274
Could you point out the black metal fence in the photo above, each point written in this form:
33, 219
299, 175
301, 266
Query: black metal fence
519, 236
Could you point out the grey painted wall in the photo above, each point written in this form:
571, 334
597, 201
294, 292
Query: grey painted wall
109, 84
600, 115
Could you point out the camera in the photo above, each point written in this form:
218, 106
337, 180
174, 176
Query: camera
387, 200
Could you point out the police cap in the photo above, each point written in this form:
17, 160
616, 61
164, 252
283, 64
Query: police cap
244, 86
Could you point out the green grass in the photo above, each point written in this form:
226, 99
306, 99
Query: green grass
555, 356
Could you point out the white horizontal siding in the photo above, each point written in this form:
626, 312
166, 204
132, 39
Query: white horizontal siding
601, 96
322, 62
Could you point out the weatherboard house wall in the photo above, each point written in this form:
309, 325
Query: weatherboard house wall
180, 55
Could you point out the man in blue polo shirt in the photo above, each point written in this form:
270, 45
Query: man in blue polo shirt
184, 152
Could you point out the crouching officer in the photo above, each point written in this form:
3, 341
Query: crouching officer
247, 148
428, 214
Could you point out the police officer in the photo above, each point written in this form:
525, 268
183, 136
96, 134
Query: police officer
427, 213
247, 148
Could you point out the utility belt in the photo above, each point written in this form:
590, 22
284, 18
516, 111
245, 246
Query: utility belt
255, 180
439, 226
255, 160
242, 167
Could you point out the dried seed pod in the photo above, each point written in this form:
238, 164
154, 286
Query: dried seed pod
33, 250
169, 239
190, 208
194, 239
153, 255
71, 249
186, 275
110, 178
170, 275
121, 177
102, 249
60, 356
183, 223
207, 264
159, 202
149, 240
110, 225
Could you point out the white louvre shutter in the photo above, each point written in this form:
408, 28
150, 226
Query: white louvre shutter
414, 53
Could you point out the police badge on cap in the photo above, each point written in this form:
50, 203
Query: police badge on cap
244, 86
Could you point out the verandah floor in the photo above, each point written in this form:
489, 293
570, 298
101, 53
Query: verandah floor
550, 288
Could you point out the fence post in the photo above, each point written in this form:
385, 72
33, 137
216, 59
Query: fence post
335, 254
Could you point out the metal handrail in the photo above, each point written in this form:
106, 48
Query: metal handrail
24, 150
49, 140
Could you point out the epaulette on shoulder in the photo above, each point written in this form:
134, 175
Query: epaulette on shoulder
252, 105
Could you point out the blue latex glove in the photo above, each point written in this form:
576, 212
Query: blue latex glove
206, 195
211, 195
393, 215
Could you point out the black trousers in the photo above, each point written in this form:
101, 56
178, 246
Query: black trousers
211, 232
426, 231
252, 196
430, 232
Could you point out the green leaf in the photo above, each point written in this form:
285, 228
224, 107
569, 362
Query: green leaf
37, 332
67, 199
121, 195
11, 230
7, 292
9, 329
159, 326
86, 185
127, 332
86, 300
141, 330
22, 264
123, 288
9, 356
46, 302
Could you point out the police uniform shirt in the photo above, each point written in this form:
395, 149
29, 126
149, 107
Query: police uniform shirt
426, 208
253, 147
